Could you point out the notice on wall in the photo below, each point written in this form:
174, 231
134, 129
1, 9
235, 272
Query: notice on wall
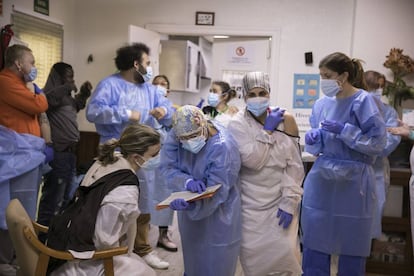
302, 119
408, 116
305, 90
240, 54
234, 79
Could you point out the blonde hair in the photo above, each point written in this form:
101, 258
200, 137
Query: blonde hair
136, 138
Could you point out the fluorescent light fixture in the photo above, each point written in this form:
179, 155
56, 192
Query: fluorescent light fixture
221, 36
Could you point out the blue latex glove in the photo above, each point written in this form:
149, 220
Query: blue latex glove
332, 126
312, 137
49, 152
273, 120
37, 89
180, 204
195, 186
285, 218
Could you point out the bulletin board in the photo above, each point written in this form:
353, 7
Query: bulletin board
305, 90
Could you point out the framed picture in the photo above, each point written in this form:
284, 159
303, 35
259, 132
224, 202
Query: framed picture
204, 18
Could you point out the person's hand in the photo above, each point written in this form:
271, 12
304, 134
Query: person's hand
273, 120
37, 89
180, 204
284, 218
312, 137
49, 153
195, 186
135, 116
85, 89
158, 113
402, 129
71, 86
332, 126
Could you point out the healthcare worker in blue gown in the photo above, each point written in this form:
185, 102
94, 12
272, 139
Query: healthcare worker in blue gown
348, 133
375, 83
198, 154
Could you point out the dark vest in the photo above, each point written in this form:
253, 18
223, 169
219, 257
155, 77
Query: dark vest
74, 228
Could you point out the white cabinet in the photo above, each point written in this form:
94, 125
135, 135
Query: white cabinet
180, 61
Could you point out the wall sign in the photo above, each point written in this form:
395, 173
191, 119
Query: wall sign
204, 18
41, 6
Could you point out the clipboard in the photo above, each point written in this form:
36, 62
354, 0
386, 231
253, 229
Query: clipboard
188, 196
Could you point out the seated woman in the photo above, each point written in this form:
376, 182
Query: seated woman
109, 192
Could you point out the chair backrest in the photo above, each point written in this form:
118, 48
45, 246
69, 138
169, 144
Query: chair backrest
27, 256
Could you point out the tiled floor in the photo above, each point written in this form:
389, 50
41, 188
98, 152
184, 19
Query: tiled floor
176, 258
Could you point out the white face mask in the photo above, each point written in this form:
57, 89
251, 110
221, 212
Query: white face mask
162, 90
378, 92
330, 87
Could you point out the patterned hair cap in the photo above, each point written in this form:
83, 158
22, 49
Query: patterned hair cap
256, 79
188, 120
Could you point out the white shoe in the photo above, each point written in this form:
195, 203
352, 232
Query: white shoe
154, 261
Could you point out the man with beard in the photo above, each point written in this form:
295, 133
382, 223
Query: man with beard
126, 98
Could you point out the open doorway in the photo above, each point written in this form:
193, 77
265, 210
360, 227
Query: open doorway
264, 43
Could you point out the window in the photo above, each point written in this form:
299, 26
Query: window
44, 38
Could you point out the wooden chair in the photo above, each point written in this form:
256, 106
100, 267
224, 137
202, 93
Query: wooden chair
32, 255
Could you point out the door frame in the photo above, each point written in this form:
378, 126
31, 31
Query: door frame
195, 30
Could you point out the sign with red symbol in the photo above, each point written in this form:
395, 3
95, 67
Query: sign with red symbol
240, 51
238, 54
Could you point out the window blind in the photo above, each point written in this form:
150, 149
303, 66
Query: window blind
43, 37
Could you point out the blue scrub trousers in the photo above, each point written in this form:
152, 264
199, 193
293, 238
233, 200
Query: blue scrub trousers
315, 263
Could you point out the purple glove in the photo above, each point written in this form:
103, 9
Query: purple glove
273, 120
180, 204
285, 218
48, 151
312, 137
332, 126
37, 89
195, 186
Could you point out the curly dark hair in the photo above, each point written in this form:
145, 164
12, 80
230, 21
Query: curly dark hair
125, 56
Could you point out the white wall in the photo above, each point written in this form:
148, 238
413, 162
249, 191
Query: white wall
365, 29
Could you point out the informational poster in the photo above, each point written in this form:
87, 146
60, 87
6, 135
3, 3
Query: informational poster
305, 90
234, 79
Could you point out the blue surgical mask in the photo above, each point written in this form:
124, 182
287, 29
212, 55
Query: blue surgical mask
330, 87
194, 144
257, 105
148, 76
213, 99
151, 163
32, 75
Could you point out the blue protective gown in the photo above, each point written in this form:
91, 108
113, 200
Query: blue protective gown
339, 200
108, 108
21, 164
211, 232
382, 165
114, 97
